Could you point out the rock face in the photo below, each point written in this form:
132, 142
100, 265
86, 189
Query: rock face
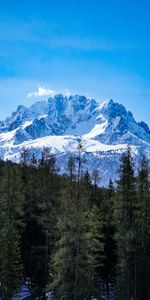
61, 123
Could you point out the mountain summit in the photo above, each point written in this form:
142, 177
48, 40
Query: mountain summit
62, 122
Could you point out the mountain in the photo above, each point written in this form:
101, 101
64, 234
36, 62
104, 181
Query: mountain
61, 123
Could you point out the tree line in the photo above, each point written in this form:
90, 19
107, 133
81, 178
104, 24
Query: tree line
69, 235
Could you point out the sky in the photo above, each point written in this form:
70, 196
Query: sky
97, 48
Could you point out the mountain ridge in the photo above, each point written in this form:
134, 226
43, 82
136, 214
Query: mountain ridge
60, 123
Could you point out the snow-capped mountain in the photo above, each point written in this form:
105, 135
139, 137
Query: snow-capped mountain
61, 123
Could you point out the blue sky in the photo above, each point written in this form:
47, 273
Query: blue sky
93, 47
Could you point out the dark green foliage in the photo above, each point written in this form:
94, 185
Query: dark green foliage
79, 243
126, 234
70, 236
10, 229
40, 186
143, 229
110, 247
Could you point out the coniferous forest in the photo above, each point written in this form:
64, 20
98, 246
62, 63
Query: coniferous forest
68, 235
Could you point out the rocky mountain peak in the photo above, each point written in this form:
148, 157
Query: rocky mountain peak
60, 122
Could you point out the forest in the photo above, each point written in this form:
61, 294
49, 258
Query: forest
71, 237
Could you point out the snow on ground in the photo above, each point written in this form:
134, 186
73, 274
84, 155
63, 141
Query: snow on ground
97, 130
26, 124
6, 137
57, 144
23, 294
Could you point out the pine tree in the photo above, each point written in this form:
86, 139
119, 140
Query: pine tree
32, 236
76, 252
27, 208
65, 233
108, 269
48, 206
10, 230
143, 229
126, 235
63, 255
93, 253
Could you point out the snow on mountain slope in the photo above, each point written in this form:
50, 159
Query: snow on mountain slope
61, 123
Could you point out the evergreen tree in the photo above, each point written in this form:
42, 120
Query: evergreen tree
32, 236
143, 229
93, 254
76, 253
63, 256
70, 236
109, 266
126, 235
48, 206
10, 229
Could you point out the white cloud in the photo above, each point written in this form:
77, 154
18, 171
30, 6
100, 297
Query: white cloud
42, 91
